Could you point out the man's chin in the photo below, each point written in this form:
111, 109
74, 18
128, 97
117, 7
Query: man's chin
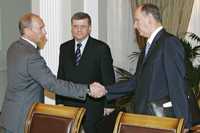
79, 39
144, 35
141, 34
41, 45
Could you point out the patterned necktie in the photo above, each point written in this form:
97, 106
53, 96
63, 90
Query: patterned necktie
78, 54
147, 48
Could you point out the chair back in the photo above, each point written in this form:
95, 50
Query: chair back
43, 118
195, 129
129, 123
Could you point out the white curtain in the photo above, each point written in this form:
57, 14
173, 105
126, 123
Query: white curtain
194, 25
120, 35
56, 16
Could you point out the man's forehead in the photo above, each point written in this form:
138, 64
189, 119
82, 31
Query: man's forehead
137, 12
37, 20
80, 20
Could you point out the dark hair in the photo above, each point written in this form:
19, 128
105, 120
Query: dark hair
26, 22
153, 10
81, 15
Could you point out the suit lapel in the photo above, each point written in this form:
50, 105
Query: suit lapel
154, 46
72, 51
86, 51
140, 61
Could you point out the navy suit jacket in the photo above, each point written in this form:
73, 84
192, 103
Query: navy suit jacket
161, 73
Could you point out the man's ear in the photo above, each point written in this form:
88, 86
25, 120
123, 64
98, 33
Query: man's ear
90, 28
151, 19
27, 31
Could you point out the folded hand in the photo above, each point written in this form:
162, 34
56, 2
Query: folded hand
97, 90
108, 111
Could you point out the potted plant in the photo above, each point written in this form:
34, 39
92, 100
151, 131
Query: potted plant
191, 45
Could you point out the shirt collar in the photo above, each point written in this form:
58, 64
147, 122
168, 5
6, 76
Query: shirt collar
29, 41
153, 35
83, 42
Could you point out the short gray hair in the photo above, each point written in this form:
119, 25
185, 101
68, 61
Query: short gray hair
26, 22
153, 10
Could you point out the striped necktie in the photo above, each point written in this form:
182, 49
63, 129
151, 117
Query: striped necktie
147, 48
78, 54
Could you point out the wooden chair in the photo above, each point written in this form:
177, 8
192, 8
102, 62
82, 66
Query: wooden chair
129, 123
195, 129
43, 118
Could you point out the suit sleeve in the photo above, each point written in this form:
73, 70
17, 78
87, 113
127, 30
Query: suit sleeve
175, 70
39, 71
121, 89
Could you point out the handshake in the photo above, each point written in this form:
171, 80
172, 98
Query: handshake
97, 90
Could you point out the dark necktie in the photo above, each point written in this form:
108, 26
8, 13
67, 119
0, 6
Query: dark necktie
78, 54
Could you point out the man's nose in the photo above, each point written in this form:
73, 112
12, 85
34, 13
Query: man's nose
134, 26
79, 28
44, 31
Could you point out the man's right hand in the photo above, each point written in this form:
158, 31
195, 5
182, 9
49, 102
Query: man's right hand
97, 90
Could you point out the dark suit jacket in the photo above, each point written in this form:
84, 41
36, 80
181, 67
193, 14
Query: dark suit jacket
161, 73
95, 65
27, 75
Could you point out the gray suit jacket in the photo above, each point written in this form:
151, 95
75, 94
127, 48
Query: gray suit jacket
28, 74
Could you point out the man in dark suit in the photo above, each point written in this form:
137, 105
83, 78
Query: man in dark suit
160, 76
94, 63
28, 74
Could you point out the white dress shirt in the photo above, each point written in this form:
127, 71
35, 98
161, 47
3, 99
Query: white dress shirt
150, 39
32, 43
83, 42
